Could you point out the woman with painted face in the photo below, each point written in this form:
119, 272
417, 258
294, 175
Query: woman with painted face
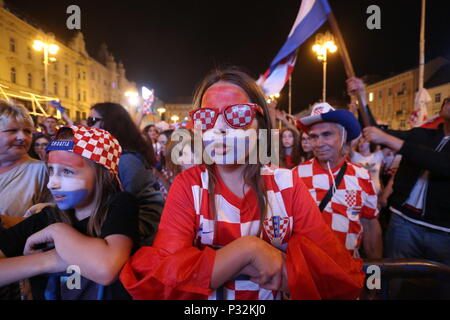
289, 148
92, 228
234, 230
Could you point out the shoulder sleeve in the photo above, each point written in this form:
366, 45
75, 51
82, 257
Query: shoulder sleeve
173, 268
318, 265
12, 240
133, 174
122, 217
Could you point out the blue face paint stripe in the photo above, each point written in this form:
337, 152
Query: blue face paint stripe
72, 198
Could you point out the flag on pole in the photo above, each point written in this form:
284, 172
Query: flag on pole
420, 114
311, 16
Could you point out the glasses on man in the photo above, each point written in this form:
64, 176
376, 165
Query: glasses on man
92, 121
237, 116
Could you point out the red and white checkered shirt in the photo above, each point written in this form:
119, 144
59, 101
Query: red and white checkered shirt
355, 198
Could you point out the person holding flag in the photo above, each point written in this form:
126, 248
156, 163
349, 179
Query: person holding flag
420, 222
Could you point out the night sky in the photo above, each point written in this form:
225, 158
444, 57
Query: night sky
170, 45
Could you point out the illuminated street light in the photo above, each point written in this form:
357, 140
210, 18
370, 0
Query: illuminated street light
175, 118
133, 98
49, 49
324, 43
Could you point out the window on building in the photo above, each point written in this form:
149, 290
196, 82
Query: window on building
380, 94
84, 96
29, 53
43, 83
66, 91
66, 69
371, 97
55, 66
30, 80
12, 45
390, 92
79, 75
79, 96
437, 97
402, 123
83, 115
78, 117
84, 75
55, 88
13, 75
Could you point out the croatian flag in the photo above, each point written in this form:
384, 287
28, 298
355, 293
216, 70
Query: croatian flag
311, 16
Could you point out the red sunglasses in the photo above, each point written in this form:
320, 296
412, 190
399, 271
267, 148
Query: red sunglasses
237, 116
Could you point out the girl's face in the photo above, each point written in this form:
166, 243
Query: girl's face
162, 139
71, 180
39, 147
15, 139
363, 146
220, 140
287, 139
153, 133
306, 144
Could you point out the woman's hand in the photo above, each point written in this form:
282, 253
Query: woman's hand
42, 240
269, 262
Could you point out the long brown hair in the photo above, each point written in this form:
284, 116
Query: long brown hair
252, 172
106, 185
117, 121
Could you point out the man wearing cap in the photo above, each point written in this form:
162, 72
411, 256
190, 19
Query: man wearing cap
343, 190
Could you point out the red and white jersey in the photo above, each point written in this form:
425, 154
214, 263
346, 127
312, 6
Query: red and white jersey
355, 198
179, 264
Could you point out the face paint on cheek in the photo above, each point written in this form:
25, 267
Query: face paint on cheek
72, 192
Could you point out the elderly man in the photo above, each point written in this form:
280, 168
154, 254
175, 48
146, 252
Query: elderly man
343, 191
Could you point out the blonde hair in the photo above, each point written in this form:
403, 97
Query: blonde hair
10, 112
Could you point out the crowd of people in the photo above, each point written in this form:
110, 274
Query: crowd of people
141, 218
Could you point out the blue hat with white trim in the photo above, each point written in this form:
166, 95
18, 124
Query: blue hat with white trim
323, 112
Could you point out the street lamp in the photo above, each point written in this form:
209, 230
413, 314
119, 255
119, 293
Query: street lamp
324, 43
133, 98
49, 49
175, 118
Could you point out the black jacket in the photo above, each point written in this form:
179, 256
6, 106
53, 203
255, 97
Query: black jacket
418, 154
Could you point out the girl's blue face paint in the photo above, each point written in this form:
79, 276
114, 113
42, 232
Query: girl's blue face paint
71, 180
69, 199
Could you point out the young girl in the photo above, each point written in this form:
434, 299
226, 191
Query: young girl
239, 231
93, 227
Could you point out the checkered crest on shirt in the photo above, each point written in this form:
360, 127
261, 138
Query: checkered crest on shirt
97, 145
276, 227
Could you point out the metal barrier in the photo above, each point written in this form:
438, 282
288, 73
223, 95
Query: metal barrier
392, 272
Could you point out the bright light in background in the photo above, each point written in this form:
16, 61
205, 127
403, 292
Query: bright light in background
175, 118
53, 49
38, 45
133, 97
371, 97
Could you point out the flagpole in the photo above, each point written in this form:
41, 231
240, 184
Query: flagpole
347, 64
422, 46
290, 94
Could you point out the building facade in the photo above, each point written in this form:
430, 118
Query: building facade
392, 100
75, 78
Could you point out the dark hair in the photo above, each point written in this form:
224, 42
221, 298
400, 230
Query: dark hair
252, 173
296, 148
304, 156
118, 122
36, 137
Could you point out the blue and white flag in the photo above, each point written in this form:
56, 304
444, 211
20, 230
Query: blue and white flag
311, 16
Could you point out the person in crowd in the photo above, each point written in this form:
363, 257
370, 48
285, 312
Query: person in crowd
22, 179
152, 133
306, 148
38, 144
343, 191
135, 167
239, 231
51, 126
420, 222
93, 225
289, 148
370, 159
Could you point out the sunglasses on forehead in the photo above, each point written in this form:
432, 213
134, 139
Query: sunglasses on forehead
237, 116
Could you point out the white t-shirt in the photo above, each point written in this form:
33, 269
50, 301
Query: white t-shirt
23, 187
371, 163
